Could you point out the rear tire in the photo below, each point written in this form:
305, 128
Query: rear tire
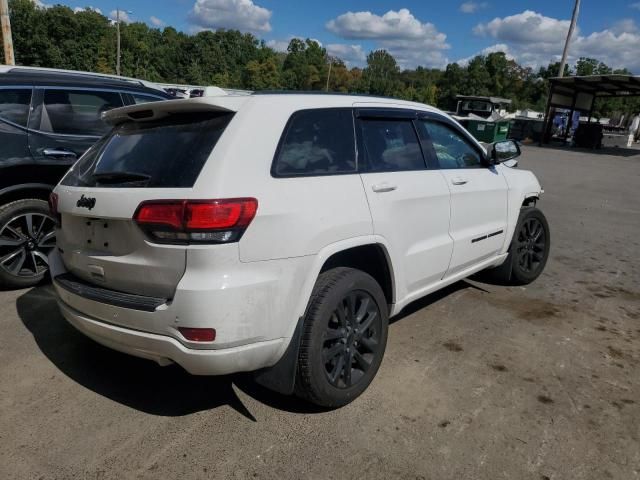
528, 252
344, 337
27, 236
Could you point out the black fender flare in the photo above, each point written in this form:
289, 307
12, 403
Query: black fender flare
26, 186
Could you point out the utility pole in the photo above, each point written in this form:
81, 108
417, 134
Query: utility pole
118, 35
551, 111
572, 27
326, 89
6, 33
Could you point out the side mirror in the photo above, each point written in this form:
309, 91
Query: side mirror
504, 151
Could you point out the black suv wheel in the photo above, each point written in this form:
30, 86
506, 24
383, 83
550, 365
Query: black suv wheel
27, 235
343, 339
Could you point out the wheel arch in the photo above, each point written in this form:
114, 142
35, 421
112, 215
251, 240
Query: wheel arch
351, 253
23, 191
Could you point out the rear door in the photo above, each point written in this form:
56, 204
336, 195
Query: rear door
15, 158
98, 198
67, 121
478, 194
409, 200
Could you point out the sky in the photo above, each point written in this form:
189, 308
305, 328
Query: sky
430, 33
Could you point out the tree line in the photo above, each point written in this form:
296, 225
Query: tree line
58, 37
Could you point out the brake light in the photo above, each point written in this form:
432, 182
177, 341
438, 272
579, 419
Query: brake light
198, 221
198, 334
161, 214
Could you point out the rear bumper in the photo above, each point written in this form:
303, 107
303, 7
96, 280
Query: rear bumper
251, 307
165, 350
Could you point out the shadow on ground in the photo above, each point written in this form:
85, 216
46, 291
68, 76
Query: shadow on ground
142, 384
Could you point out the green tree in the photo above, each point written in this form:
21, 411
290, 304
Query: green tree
382, 73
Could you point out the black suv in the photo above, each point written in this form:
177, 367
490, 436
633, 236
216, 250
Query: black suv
48, 118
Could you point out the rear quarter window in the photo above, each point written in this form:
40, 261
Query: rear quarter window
168, 153
76, 112
317, 142
14, 105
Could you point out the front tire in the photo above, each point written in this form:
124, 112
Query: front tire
27, 235
344, 337
528, 252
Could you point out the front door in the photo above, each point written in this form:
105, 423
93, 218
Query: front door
409, 201
478, 196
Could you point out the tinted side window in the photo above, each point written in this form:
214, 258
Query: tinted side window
452, 150
391, 145
139, 98
77, 112
317, 142
14, 105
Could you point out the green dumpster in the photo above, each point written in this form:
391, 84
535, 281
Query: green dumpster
487, 131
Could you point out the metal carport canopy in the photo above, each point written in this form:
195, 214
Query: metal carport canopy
580, 92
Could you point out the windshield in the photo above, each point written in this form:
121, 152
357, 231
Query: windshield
167, 153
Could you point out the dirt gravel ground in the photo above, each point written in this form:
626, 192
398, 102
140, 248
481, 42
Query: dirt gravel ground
479, 381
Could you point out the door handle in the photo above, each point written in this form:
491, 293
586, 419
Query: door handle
383, 187
58, 153
458, 181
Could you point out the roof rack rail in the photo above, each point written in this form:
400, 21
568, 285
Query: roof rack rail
145, 83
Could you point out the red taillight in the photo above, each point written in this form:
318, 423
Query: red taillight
53, 204
202, 221
219, 214
198, 334
169, 214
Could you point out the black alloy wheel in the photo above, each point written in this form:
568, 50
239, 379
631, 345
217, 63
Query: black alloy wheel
351, 339
530, 245
343, 339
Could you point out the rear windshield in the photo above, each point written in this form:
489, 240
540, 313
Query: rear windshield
167, 153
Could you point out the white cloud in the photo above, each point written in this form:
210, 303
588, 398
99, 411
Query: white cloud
41, 4
498, 47
472, 7
626, 25
525, 27
156, 22
243, 15
278, 45
408, 39
350, 54
535, 40
87, 9
392, 25
124, 16
635, 5
282, 45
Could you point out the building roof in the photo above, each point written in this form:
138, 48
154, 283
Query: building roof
494, 100
598, 85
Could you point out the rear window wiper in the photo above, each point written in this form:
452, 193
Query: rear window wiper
119, 177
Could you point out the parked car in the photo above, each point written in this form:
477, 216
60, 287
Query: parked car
278, 233
48, 118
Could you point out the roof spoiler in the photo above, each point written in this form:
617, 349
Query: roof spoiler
145, 112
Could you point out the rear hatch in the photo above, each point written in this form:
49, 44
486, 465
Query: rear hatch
153, 152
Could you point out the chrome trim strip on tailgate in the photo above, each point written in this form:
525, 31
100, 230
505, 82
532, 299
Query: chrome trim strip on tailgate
81, 288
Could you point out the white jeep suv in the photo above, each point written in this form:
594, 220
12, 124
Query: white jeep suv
277, 233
